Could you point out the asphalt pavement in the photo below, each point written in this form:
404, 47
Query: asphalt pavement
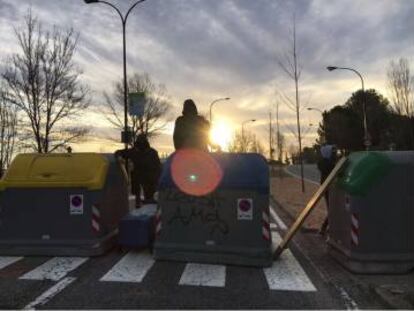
133, 280
310, 172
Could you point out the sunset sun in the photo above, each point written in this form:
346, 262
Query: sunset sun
221, 133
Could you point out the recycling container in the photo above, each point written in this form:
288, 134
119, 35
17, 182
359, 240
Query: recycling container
371, 213
214, 208
61, 204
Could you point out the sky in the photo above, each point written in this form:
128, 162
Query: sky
209, 49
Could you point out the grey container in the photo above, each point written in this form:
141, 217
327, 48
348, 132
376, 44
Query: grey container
61, 204
371, 213
212, 228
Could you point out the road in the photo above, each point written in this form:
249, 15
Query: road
303, 278
310, 172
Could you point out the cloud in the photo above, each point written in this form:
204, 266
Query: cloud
211, 49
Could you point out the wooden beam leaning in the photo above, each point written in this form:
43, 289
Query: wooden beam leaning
306, 211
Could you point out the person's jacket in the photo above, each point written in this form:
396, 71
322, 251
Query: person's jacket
147, 164
191, 131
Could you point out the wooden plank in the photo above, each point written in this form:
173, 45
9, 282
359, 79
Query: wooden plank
309, 207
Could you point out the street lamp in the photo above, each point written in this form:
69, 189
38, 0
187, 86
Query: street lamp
367, 138
316, 109
323, 138
215, 101
126, 136
243, 123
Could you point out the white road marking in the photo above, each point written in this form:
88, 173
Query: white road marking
277, 219
50, 293
299, 177
273, 225
204, 275
131, 268
286, 272
348, 301
54, 269
8, 260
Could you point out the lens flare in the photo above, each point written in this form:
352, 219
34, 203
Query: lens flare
195, 172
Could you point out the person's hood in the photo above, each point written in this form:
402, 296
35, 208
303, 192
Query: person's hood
141, 142
189, 109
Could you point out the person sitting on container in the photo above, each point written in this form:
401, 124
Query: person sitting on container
191, 130
147, 169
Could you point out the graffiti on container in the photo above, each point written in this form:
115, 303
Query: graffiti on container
204, 209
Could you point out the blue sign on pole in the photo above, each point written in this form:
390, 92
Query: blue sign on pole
137, 104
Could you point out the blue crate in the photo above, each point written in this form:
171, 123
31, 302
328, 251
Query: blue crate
136, 231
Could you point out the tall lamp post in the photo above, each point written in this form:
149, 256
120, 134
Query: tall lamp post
323, 121
367, 137
213, 102
126, 135
242, 127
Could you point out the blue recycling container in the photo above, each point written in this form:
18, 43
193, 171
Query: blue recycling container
214, 208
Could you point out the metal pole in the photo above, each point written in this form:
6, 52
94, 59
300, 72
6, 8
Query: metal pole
212, 103
367, 139
125, 87
124, 20
242, 127
367, 142
323, 122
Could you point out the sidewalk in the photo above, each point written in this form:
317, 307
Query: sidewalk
286, 191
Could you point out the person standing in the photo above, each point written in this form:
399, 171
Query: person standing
146, 171
326, 164
191, 130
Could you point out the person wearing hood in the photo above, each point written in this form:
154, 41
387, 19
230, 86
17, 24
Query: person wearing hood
146, 171
191, 130
326, 164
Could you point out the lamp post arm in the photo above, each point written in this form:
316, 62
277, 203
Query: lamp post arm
131, 8
359, 75
115, 8
211, 106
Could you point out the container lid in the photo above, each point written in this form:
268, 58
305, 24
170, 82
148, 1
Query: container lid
65, 170
363, 171
240, 171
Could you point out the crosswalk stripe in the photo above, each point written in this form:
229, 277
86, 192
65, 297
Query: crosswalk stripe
54, 269
50, 293
131, 268
204, 275
286, 273
8, 260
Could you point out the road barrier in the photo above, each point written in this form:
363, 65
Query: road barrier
214, 208
61, 204
371, 223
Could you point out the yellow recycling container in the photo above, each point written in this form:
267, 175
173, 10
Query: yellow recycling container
61, 204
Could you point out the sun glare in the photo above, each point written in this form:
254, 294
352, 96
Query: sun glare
221, 133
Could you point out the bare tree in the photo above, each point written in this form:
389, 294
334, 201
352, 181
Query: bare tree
401, 86
246, 142
44, 84
279, 137
8, 131
290, 65
156, 109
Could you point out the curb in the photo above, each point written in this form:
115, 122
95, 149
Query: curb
393, 296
